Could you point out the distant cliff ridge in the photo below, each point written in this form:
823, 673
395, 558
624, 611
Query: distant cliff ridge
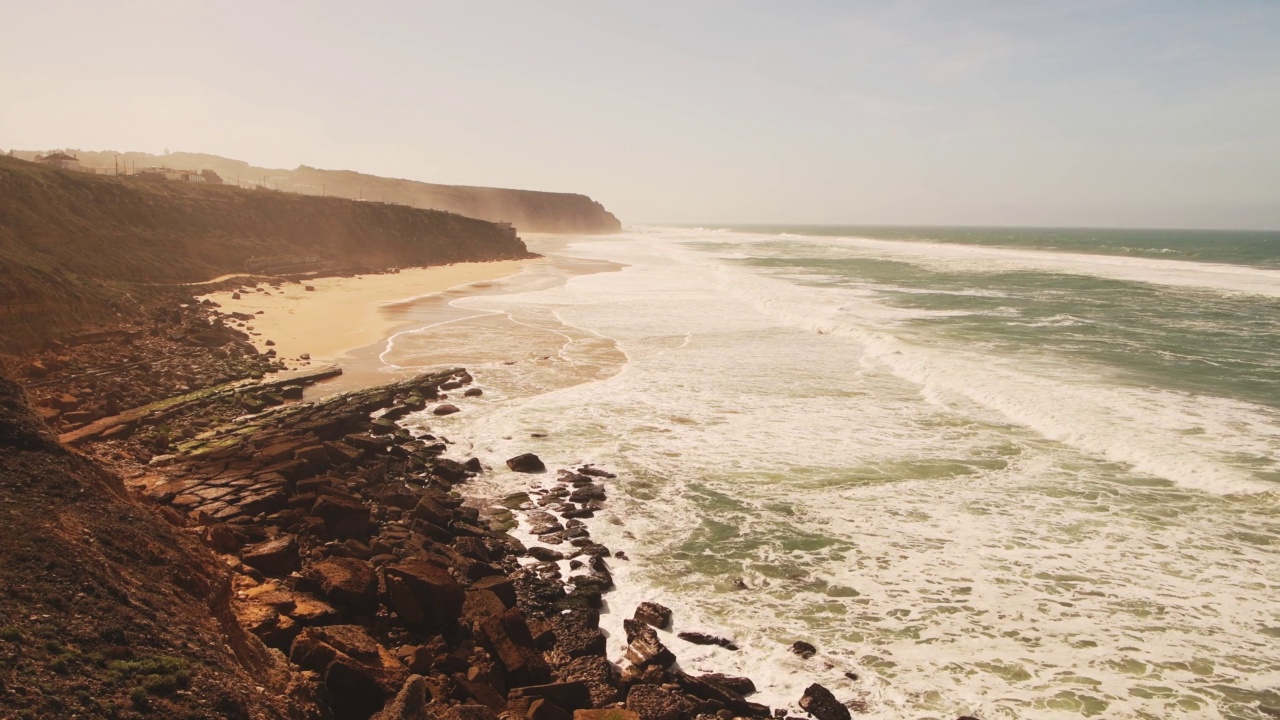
528, 210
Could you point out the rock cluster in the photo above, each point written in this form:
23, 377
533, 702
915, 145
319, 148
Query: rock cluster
181, 349
356, 558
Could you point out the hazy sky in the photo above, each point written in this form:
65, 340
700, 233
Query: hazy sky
1158, 113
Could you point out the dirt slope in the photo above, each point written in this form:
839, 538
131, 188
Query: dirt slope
106, 610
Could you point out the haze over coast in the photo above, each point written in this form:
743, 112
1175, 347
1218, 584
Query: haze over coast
569, 361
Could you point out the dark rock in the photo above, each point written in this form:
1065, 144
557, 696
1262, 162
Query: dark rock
740, 685
346, 581
698, 638
568, 695
341, 452
275, 558
409, 703
544, 554
820, 703
359, 673
546, 710
500, 586
424, 595
577, 633
263, 502
653, 614
225, 538
526, 463
597, 673
343, 518
445, 409
644, 648
587, 493
429, 509
448, 470
803, 649
651, 702
512, 644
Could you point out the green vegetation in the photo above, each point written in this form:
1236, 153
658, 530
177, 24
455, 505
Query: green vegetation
155, 674
140, 699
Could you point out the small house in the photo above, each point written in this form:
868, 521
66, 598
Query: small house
62, 161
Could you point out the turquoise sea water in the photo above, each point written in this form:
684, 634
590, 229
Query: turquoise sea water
1006, 473
1259, 248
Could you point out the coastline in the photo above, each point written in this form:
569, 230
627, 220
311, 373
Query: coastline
334, 458
345, 500
328, 319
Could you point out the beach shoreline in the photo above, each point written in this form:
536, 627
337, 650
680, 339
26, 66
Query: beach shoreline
330, 320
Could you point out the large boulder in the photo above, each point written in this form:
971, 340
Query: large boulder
651, 702
526, 463
597, 673
432, 511
409, 703
275, 558
644, 648
347, 581
651, 613
424, 595
820, 703
699, 638
358, 672
740, 685
577, 633
803, 649
509, 640
343, 517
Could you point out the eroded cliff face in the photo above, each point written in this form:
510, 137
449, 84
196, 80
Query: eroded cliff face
528, 210
79, 249
104, 604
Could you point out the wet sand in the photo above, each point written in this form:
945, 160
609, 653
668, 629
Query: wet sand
343, 315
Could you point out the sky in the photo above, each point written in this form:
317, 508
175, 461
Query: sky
1157, 113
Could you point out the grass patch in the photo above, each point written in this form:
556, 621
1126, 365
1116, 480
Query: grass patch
140, 699
9, 633
155, 674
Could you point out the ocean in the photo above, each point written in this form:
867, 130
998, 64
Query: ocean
1010, 473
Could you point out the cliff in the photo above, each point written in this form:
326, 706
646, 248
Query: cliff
105, 608
528, 210
77, 249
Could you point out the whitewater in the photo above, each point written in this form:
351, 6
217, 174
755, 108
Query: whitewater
1031, 476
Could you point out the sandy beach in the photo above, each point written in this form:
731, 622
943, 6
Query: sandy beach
343, 314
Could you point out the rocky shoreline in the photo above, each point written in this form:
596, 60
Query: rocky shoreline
355, 554
352, 551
